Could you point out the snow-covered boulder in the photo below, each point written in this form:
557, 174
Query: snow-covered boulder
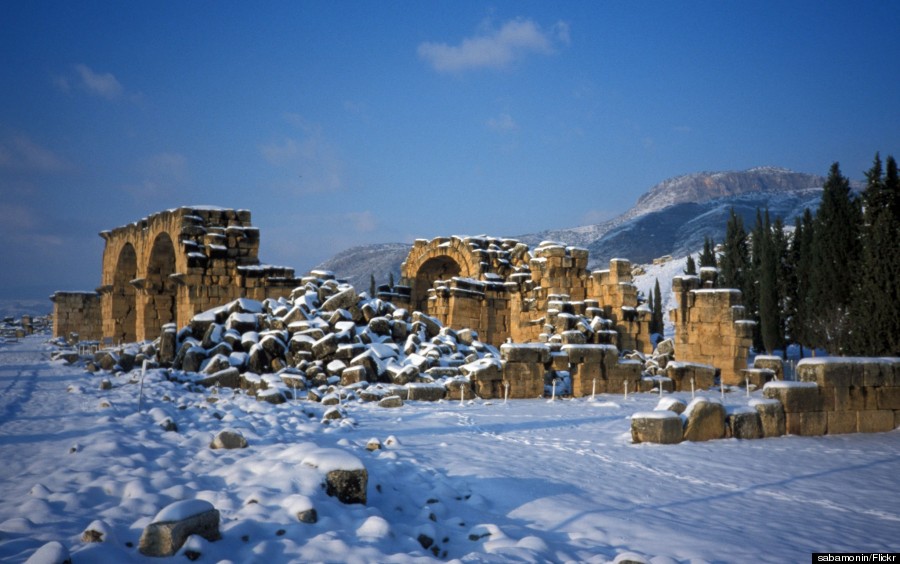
346, 477
705, 420
771, 416
744, 423
51, 553
662, 427
228, 439
175, 523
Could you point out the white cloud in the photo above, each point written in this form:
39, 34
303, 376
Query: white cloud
495, 48
162, 175
104, 85
21, 153
504, 122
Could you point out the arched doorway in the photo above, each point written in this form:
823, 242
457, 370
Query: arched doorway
124, 298
437, 268
159, 289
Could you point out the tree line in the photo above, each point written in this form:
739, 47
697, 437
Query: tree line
833, 283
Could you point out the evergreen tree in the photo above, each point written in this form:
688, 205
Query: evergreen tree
766, 255
876, 311
391, 280
783, 280
371, 285
734, 260
658, 309
708, 256
652, 316
691, 267
800, 296
835, 256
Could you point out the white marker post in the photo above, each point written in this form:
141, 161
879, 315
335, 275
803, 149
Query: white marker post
141, 392
692, 387
505, 391
593, 389
747, 384
626, 389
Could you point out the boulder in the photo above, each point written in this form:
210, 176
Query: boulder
346, 477
175, 523
51, 553
705, 420
227, 378
228, 439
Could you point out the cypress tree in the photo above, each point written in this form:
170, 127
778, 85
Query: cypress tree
876, 311
691, 267
835, 256
801, 305
708, 256
652, 316
783, 279
371, 285
734, 260
658, 309
769, 315
391, 280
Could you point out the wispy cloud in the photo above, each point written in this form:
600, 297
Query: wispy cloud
502, 123
495, 48
22, 154
102, 84
363, 222
312, 162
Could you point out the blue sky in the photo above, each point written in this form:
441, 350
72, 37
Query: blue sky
346, 123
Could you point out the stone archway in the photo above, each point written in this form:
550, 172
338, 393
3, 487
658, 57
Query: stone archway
159, 291
437, 268
124, 296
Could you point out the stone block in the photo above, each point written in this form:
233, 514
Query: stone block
841, 422
796, 397
526, 352
662, 427
875, 421
771, 417
806, 423
174, 524
757, 376
888, 397
745, 424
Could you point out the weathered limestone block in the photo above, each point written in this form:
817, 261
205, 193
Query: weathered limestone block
167, 344
681, 373
175, 523
875, 421
796, 397
757, 376
771, 416
806, 423
391, 401
773, 363
343, 299
525, 352
840, 422
888, 397
426, 392
705, 420
228, 378
662, 427
744, 423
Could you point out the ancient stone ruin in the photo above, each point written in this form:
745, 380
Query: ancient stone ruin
166, 268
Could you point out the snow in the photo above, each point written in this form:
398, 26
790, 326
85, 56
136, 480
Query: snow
487, 481
183, 509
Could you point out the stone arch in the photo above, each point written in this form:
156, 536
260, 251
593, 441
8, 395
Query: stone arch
159, 290
439, 259
124, 295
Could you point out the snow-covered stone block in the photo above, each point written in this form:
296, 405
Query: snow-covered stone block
796, 397
175, 523
771, 416
662, 427
705, 420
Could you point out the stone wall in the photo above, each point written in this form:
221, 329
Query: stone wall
171, 265
710, 328
506, 291
836, 395
77, 312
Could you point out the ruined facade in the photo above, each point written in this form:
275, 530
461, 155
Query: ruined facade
710, 328
167, 267
506, 291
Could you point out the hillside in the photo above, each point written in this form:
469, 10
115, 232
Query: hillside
672, 217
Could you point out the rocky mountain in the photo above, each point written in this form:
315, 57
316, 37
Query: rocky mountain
672, 218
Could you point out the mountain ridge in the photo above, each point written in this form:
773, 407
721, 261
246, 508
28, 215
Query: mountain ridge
672, 217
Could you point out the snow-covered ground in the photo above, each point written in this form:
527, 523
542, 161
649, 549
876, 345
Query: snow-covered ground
527, 480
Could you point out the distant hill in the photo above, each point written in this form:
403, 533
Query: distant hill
672, 218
